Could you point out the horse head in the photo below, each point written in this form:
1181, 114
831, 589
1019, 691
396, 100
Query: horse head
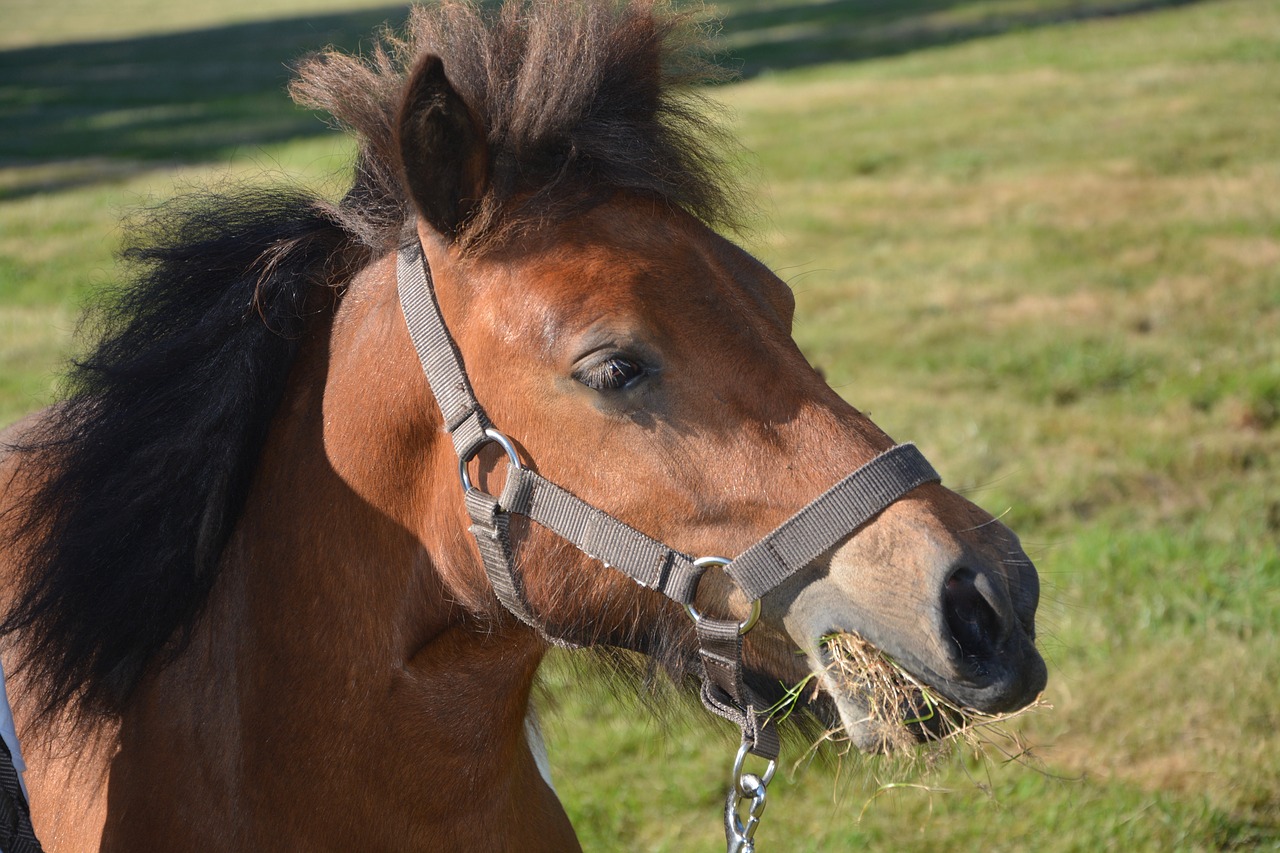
646, 363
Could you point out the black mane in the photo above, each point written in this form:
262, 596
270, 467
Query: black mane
140, 472
136, 479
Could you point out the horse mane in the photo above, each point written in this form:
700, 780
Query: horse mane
137, 476
580, 99
135, 480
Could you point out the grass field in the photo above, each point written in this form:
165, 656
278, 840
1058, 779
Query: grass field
1040, 238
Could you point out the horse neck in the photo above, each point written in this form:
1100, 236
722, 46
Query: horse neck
335, 693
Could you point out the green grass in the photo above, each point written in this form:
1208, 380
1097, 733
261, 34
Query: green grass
1041, 239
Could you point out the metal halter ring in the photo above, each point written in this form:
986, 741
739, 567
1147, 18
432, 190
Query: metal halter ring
745, 625
503, 442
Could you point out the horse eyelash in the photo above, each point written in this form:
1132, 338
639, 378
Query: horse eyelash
609, 375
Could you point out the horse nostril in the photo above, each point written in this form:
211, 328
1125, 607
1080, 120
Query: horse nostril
973, 623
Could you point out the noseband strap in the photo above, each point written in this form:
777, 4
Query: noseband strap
797, 542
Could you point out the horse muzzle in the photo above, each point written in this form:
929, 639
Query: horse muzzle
956, 619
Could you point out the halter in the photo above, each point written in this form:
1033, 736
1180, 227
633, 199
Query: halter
794, 544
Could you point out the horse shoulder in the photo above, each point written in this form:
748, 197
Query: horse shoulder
68, 796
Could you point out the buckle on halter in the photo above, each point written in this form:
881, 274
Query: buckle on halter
492, 435
704, 563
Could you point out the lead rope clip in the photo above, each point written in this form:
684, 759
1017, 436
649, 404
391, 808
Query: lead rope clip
750, 787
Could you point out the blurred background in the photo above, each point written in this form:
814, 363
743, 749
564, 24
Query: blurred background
1040, 238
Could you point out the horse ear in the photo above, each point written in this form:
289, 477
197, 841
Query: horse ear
443, 153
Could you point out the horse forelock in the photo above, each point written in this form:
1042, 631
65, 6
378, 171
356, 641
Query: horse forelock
579, 99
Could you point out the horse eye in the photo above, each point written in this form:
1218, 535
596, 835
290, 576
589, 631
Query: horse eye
612, 374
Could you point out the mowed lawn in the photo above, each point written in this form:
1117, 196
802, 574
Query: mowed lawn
1040, 239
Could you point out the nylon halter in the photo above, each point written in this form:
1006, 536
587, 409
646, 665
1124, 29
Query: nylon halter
822, 524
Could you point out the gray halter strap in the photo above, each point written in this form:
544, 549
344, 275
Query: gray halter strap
827, 520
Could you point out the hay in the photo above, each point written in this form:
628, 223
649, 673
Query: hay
905, 713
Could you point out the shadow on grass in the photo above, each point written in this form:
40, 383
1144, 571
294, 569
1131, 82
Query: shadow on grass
179, 97
783, 34
103, 109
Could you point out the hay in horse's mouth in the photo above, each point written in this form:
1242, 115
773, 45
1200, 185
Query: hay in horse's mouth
863, 679
884, 708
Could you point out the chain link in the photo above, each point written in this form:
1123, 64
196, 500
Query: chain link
751, 787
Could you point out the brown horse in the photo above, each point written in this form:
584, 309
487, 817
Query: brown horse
245, 607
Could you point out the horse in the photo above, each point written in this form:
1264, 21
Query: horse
244, 605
